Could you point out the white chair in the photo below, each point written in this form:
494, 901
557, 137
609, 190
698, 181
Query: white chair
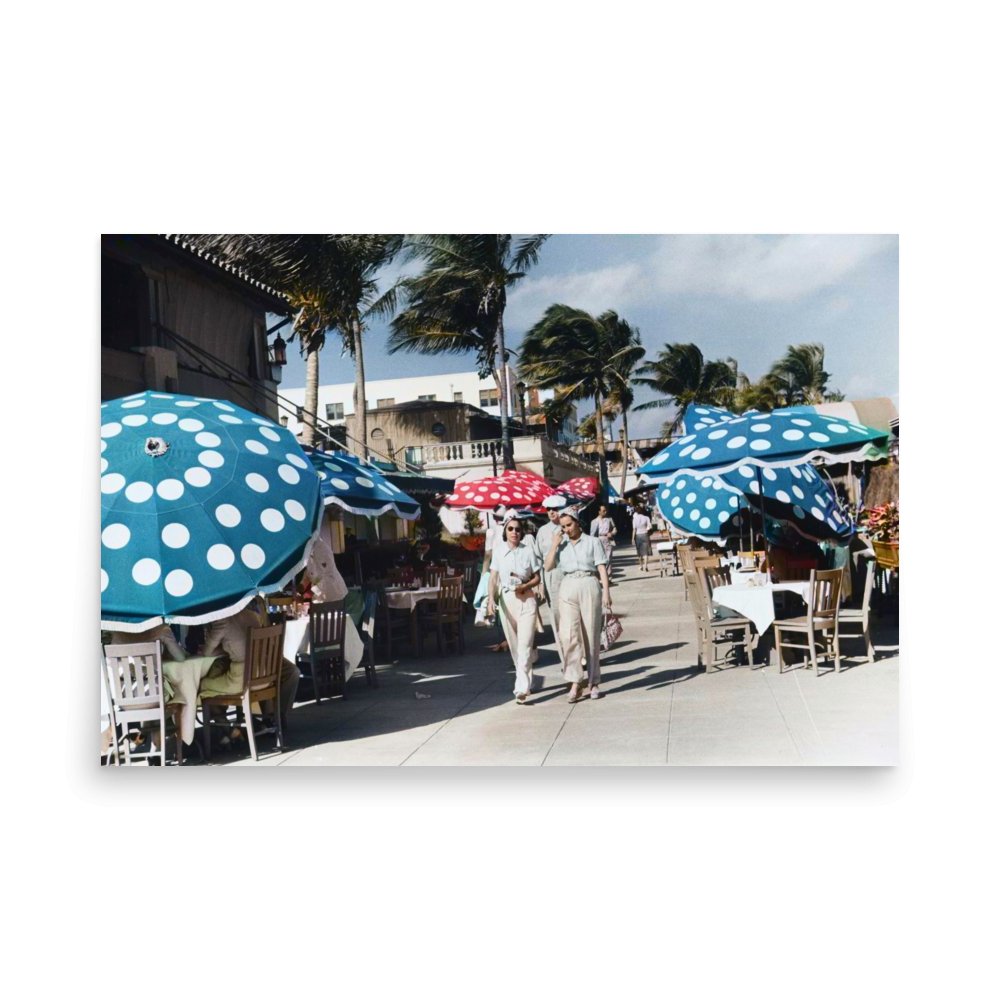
858, 618
133, 675
820, 624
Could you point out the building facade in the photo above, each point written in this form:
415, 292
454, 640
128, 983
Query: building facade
176, 321
336, 402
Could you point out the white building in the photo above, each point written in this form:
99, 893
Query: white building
336, 402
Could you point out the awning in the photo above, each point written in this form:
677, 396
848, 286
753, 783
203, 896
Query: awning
410, 482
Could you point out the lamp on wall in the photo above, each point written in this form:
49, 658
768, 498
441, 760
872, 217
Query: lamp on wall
278, 356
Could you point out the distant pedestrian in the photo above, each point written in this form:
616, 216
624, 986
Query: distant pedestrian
584, 595
515, 571
603, 528
641, 525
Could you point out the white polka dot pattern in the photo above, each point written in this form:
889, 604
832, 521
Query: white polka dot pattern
704, 505
513, 488
354, 485
719, 441
226, 507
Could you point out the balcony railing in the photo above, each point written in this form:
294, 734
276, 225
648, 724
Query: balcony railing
526, 449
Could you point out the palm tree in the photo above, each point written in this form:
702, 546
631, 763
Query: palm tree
330, 282
456, 304
682, 376
555, 411
799, 376
584, 357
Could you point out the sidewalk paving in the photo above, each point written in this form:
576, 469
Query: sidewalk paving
658, 706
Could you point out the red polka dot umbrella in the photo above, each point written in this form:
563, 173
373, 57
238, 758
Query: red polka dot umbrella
514, 488
581, 488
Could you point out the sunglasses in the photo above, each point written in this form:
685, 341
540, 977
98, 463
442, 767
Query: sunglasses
518, 530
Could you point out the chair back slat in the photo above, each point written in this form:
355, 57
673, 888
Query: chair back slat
134, 676
825, 593
264, 656
712, 575
327, 623
450, 601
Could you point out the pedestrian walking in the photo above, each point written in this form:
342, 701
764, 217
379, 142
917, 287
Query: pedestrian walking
494, 536
603, 528
641, 525
584, 596
551, 578
515, 572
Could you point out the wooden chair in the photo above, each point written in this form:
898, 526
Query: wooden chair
470, 583
327, 625
666, 554
393, 624
820, 626
688, 563
858, 618
446, 616
433, 575
261, 682
753, 558
718, 633
133, 675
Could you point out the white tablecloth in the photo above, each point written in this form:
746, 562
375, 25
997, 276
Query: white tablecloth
408, 599
297, 642
185, 677
757, 603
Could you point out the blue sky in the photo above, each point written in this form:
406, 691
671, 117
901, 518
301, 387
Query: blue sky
747, 297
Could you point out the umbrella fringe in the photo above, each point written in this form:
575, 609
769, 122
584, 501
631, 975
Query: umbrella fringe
389, 508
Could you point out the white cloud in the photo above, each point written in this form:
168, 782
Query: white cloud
761, 268
614, 287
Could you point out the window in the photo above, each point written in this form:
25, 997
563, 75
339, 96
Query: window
458, 398
377, 433
334, 411
389, 401
489, 397
427, 399
125, 305
439, 430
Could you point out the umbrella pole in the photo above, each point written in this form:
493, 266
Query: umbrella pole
763, 526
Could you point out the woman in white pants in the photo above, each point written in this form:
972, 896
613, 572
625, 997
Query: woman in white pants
515, 571
582, 601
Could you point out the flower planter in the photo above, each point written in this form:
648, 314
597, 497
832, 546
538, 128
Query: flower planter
887, 554
472, 543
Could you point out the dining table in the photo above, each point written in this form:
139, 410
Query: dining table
407, 598
752, 595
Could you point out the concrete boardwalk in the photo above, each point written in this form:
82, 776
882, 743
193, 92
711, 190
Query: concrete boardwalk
659, 708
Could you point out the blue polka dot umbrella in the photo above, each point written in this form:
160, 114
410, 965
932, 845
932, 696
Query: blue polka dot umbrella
701, 415
359, 487
203, 505
710, 506
778, 439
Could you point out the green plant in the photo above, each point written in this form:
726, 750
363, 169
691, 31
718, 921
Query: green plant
472, 522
